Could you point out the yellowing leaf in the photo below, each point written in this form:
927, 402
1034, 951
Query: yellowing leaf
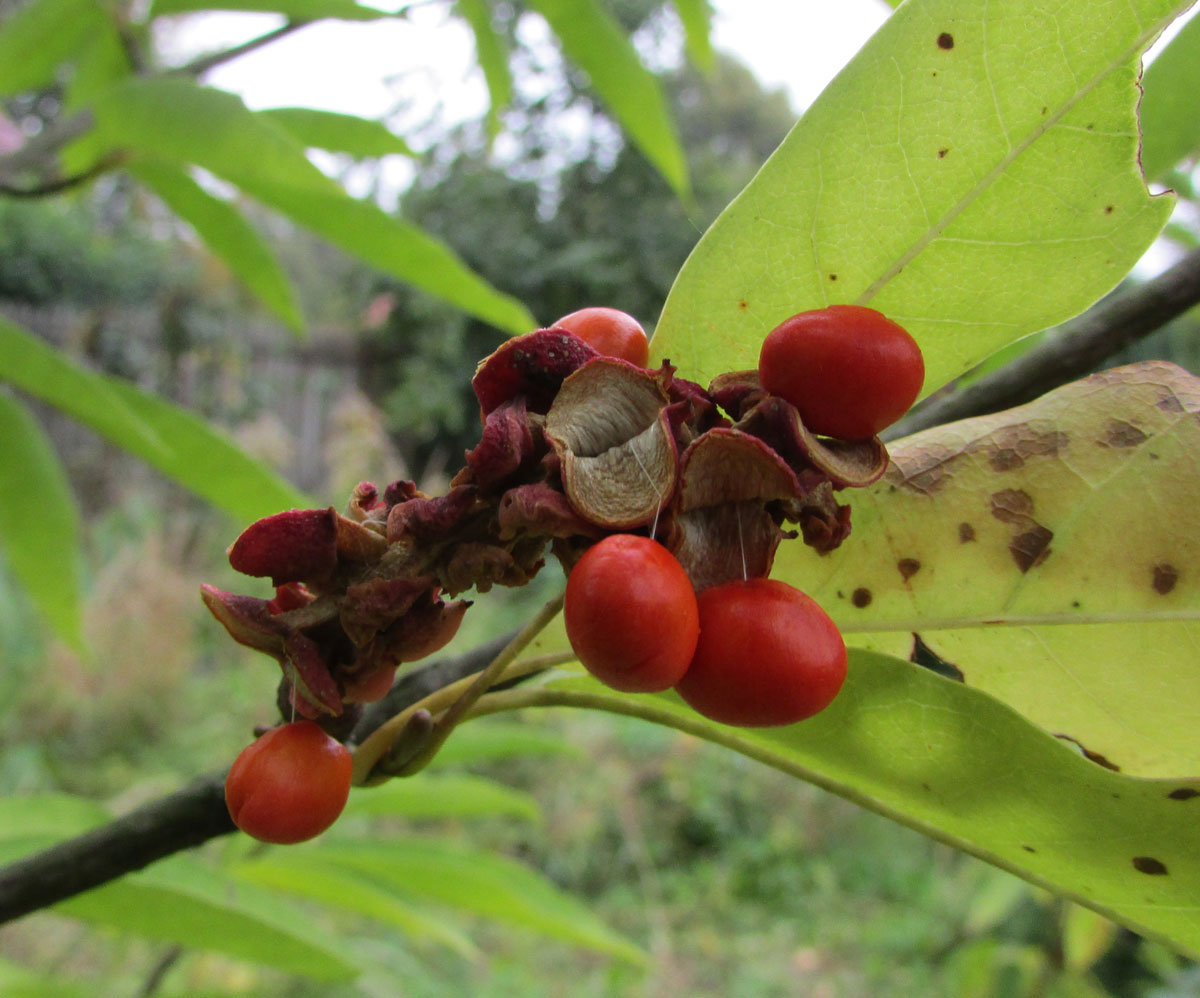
972, 173
1050, 553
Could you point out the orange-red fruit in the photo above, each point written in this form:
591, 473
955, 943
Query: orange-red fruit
610, 332
768, 655
631, 614
290, 785
850, 371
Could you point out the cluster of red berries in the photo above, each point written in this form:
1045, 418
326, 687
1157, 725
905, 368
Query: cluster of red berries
750, 652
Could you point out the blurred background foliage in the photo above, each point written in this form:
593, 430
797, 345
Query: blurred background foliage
728, 877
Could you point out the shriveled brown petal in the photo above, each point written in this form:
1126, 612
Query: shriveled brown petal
824, 522
506, 446
481, 565
609, 428
429, 519
721, 528
737, 391
356, 542
401, 490
374, 605
847, 463
425, 629
295, 546
533, 365
363, 499
309, 674
249, 621
541, 509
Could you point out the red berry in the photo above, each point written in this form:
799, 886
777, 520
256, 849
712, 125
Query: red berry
767, 655
631, 614
290, 785
610, 332
850, 371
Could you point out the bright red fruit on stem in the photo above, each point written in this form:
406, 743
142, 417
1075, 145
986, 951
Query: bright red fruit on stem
850, 371
631, 614
610, 332
290, 785
768, 655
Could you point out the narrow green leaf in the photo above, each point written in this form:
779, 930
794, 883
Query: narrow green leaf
227, 233
294, 10
39, 522
41, 35
483, 883
37, 368
175, 119
972, 174
308, 876
1170, 108
594, 41
1048, 552
102, 60
492, 739
183, 901
359, 137
205, 461
963, 768
19, 982
491, 52
696, 17
427, 796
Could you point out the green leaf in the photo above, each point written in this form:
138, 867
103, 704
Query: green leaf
696, 17
1170, 108
487, 741
308, 876
482, 883
103, 60
19, 982
37, 368
491, 52
1048, 553
175, 119
205, 461
49, 816
967, 770
362, 138
41, 35
39, 522
426, 796
179, 444
594, 41
294, 10
227, 233
972, 175
183, 901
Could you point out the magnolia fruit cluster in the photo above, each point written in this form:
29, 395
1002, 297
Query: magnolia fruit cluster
588, 455
751, 651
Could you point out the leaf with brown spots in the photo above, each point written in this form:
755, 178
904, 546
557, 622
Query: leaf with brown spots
1060, 578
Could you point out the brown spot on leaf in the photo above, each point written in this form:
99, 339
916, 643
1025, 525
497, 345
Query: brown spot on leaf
1170, 403
966, 533
1165, 577
1045, 109
926, 657
833, 277
945, 40
1184, 793
1011, 505
908, 567
1091, 756
743, 304
942, 153
1108, 209
1122, 434
861, 597
1150, 865
1032, 547
1009, 447
1028, 848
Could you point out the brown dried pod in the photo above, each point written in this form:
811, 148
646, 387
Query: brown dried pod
533, 365
609, 427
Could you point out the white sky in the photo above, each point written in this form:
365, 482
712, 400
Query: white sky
343, 66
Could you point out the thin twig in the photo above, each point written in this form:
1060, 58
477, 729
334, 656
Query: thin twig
1073, 350
202, 64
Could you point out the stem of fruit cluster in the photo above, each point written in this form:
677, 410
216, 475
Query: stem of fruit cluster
407, 743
